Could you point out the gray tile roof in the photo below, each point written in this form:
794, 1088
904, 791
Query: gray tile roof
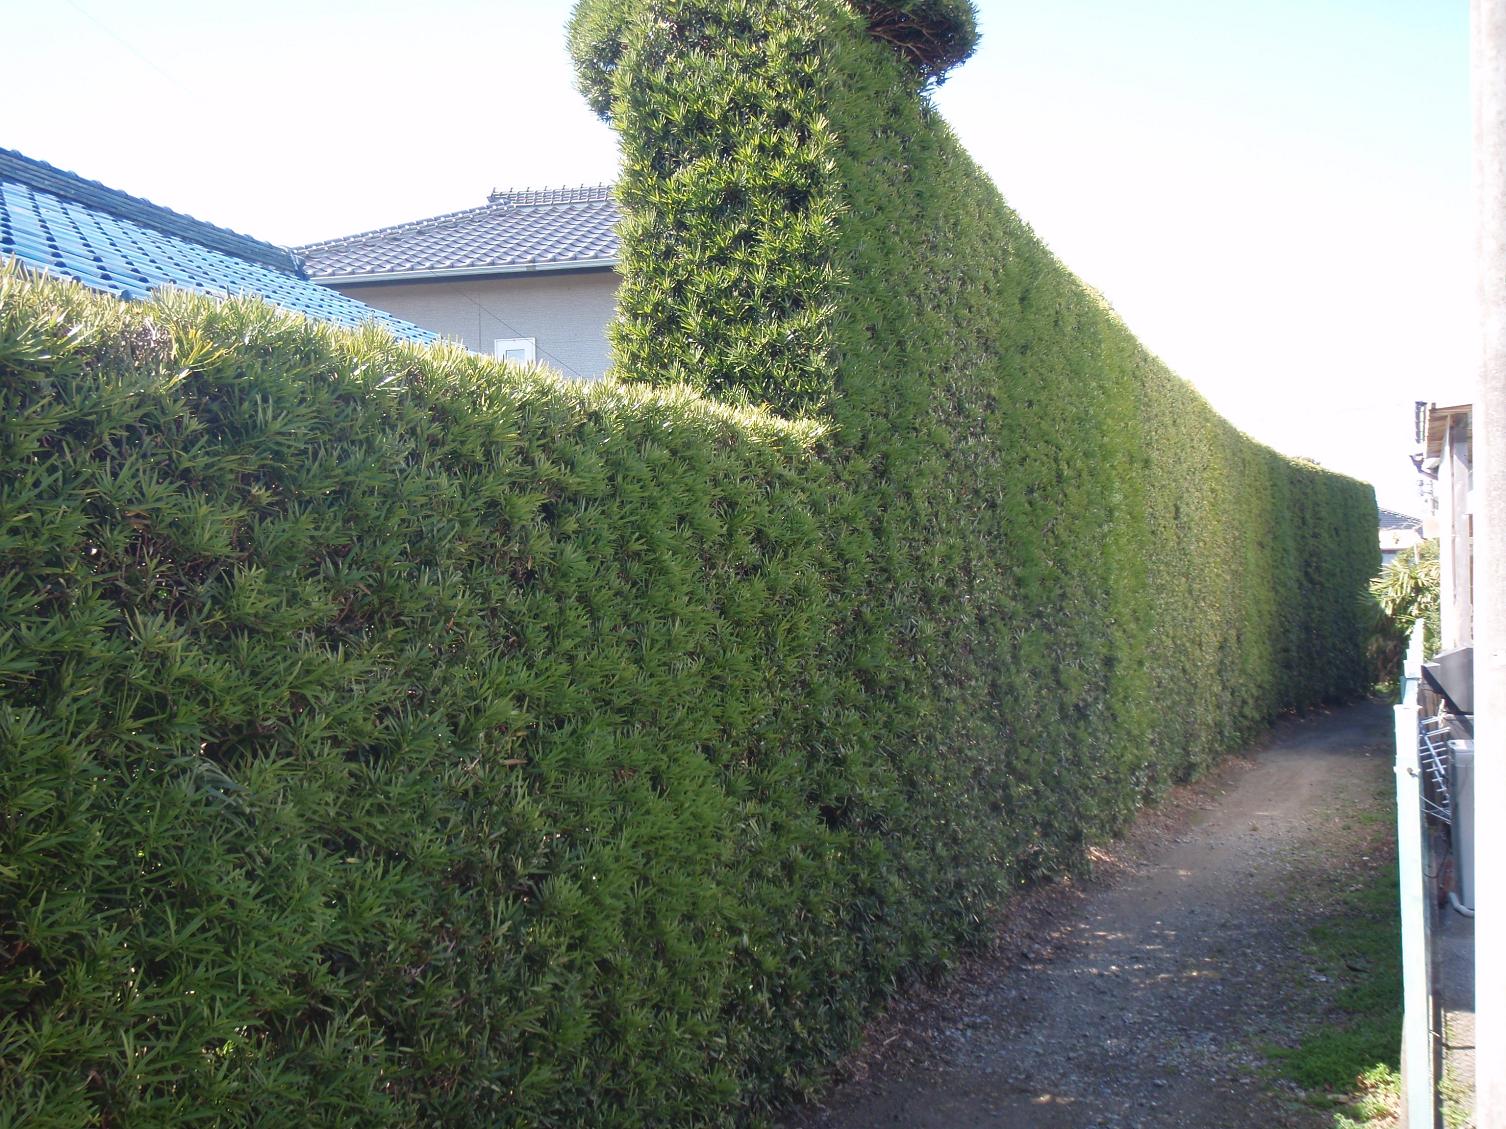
54, 221
550, 229
1391, 519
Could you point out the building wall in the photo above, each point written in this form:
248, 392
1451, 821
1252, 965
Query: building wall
1394, 541
566, 314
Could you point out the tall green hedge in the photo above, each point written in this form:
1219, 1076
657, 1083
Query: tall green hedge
388, 737
1077, 582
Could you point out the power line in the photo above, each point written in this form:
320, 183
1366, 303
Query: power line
519, 333
127, 44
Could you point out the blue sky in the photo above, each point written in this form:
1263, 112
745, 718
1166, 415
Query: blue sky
1274, 195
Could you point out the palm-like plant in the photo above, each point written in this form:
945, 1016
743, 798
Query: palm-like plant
1405, 591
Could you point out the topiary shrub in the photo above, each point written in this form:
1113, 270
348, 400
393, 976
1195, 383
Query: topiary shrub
930, 36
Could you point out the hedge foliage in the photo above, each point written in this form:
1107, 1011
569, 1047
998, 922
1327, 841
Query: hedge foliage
1065, 581
392, 737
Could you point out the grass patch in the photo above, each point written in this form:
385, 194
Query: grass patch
1351, 1060
1376, 1098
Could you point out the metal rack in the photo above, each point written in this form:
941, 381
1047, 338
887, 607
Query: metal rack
1433, 734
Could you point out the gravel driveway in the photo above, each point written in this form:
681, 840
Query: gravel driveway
1141, 997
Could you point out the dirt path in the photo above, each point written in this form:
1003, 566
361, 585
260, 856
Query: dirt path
1141, 999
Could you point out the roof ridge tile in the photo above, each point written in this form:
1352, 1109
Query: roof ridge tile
532, 197
428, 224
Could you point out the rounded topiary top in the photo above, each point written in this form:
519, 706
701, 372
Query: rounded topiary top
932, 35
596, 32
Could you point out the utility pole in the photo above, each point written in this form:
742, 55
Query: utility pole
1488, 90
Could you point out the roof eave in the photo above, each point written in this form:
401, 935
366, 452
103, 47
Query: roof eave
469, 272
1437, 423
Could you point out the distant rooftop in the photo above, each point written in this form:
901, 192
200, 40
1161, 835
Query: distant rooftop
1391, 519
534, 229
60, 223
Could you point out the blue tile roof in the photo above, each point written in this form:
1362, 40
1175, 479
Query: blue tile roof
62, 224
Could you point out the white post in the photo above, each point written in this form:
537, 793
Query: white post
1416, 969
1488, 82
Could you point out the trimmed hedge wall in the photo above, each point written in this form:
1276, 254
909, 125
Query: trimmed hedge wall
390, 737
1066, 582
1067, 549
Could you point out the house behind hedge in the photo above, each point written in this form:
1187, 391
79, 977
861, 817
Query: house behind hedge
59, 223
527, 276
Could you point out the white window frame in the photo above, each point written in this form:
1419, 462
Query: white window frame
528, 345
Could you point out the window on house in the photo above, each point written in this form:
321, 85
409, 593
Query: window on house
519, 350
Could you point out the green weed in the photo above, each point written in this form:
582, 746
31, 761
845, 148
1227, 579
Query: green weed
1351, 1059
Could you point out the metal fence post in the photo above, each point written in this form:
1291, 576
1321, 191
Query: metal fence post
1418, 1083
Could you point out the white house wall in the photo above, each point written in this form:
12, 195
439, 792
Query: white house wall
566, 314
1455, 551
